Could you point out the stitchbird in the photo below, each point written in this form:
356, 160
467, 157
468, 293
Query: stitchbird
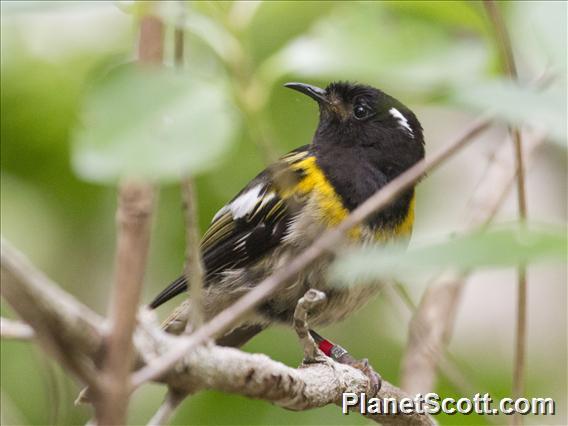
364, 139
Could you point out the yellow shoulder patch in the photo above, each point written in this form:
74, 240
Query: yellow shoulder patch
332, 210
317, 185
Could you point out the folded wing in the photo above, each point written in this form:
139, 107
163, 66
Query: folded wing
248, 227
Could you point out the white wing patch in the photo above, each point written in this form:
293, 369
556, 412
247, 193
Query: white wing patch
245, 203
402, 121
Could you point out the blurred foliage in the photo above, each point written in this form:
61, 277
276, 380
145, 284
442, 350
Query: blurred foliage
67, 98
545, 109
122, 134
490, 248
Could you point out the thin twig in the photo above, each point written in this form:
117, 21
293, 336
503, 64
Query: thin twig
151, 41
426, 337
134, 218
508, 59
135, 205
193, 271
502, 36
179, 41
250, 91
168, 407
310, 301
224, 320
447, 365
261, 132
15, 330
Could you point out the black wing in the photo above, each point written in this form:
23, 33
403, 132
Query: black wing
249, 226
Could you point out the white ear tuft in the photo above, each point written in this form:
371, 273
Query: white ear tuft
402, 121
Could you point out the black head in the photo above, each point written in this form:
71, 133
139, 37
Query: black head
361, 118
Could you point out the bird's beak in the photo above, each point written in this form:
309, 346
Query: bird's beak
317, 94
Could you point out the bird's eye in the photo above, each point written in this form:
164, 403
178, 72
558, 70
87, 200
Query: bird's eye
360, 112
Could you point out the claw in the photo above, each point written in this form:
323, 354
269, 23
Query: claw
375, 380
340, 355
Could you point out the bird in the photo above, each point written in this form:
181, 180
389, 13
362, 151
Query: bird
364, 139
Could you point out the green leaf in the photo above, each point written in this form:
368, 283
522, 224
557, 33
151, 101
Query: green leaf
150, 123
545, 109
499, 247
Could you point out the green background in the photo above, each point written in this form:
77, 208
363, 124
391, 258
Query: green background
60, 100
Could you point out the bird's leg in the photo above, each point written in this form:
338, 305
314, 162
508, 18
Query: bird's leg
307, 303
341, 355
312, 341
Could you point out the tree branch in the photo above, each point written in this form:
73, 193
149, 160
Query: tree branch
135, 205
508, 59
65, 328
134, 218
447, 365
168, 407
151, 41
193, 270
257, 376
52, 312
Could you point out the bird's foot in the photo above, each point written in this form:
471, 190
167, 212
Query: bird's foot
339, 354
375, 380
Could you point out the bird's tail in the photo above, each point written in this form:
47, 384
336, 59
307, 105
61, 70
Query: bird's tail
176, 287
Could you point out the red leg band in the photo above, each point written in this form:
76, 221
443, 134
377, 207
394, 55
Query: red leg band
326, 346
